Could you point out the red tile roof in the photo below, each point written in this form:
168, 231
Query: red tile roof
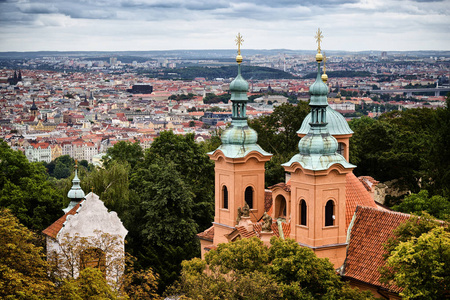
370, 230
284, 186
55, 228
207, 235
355, 194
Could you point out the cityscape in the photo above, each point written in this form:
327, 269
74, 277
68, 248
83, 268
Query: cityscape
230, 150
82, 104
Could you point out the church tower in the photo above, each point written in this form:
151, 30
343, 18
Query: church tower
318, 181
34, 110
239, 164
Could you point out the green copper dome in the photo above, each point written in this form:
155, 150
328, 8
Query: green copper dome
318, 91
239, 135
76, 192
239, 139
318, 144
337, 125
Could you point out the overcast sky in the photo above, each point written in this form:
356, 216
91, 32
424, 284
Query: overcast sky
116, 25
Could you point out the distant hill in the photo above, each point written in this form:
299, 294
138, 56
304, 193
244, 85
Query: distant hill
205, 54
336, 74
209, 73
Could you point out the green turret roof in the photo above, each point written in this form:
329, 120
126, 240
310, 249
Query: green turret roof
337, 125
76, 194
317, 150
239, 139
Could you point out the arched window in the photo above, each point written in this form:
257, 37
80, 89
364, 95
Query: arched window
93, 258
329, 213
249, 196
303, 212
225, 197
280, 207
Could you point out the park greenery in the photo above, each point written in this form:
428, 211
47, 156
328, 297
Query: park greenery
248, 269
169, 189
211, 73
417, 258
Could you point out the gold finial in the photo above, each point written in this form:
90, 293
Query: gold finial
324, 75
319, 37
239, 40
76, 163
92, 189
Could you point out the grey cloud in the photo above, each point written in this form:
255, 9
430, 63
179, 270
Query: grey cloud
37, 8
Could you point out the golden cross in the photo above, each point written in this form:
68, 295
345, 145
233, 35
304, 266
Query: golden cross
92, 189
324, 63
239, 40
319, 38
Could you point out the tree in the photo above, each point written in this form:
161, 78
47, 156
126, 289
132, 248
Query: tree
124, 152
23, 268
24, 189
166, 233
110, 183
421, 266
194, 167
436, 205
89, 285
63, 166
284, 271
413, 151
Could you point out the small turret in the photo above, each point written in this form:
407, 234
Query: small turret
76, 194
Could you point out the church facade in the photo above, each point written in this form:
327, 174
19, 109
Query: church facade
322, 205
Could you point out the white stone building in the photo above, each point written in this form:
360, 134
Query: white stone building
87, 235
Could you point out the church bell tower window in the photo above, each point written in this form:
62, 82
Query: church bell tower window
303, 212
329, 213
225, 197
249, 196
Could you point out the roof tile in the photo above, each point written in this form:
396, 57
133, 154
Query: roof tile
55, 228
371, 229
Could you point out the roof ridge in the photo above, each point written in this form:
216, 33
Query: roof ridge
384, 211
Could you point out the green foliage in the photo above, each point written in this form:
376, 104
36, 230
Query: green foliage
412, 228
247, 269
421, 266
194, 167
110, 183
436, 205
413, 149
171, 192
24, 189
124, 152
189, 73
213, 98
167, 203
23, 268
90, 284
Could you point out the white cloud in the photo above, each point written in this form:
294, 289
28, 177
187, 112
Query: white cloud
199, 24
